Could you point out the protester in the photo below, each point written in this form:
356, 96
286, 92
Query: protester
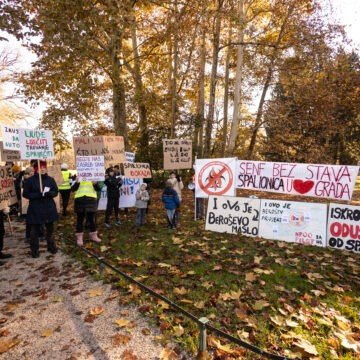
142, 198
85, 205
177, 186
18, 178
148, 182
113, 184
65, 187
42, 208
29, 171
3, 256
171, 201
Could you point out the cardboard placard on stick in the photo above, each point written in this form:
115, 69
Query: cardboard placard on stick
177, 154
7, 188
9, 155
137, 170
111, 147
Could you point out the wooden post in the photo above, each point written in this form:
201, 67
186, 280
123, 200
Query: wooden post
40, 181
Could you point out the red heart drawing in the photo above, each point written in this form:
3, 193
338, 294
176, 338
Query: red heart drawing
302, 187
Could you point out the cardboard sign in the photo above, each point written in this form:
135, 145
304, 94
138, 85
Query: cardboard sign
36, 144
177, 154
137, 170
324, 181
90, 168
111, 147
9, 155
10, 137
7, 188
130, 156
233, 215
127, 194
55, 172
343, 230
215, 177
290, 221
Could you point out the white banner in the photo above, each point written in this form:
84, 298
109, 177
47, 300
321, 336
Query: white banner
344, 227
10, 137
130, 156
36, 144
127, 194
233, 215
215, 177
290, 221
90, 168
324, 181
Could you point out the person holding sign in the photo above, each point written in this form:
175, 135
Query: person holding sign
41, 189
85, 206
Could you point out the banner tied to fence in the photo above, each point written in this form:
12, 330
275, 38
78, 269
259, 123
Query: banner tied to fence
215, 177
36, 144
233, 215
9, 155
111, 147
90, 168
344, 227
177, 154
10, 137
137, 170
323, 181
7, 189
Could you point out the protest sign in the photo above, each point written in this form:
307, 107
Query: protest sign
290, 221
7, 188
177, 154
9, 155
111, 147
36, 144
127, 194
10, 137
233, 215
129, 156
215, 177
90, 168
137, 170
55, 172
324, 181
343, 230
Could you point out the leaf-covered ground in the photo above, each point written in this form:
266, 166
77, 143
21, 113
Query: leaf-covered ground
295, 300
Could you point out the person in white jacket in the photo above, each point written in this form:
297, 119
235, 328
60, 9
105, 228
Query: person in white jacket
142, 198
176, 183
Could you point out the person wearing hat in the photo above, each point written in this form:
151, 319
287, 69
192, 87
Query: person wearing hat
42, 208
142, 198
65, 187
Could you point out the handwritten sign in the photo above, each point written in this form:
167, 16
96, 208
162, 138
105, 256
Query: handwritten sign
129, 156
7, 189
36, 144
55, 172
343, 230
10, 137
177, 154
324, 181
233, 215
90, 168
290, 221
111, 147
137, 170
9, 155
215, 177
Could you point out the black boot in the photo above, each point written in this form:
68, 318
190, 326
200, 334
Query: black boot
35, 253
52, 248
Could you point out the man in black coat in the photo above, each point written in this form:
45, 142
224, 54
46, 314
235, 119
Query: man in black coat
113, 183
42, 208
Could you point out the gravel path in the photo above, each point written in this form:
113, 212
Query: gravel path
51, 309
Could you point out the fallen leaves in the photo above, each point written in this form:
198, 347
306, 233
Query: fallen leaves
7, 344
47, 333
232, 295
306, 346
180, 291
120, 339
96, 311
168, 354
95, 292
260, 304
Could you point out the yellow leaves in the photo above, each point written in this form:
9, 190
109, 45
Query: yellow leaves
95, 292
177, 241
46, 333
199, 304
260, 304
348, 342
178, 330
291, 323
305, 346
180, 291
134, 290
164, 265
6, 345
122, 322
250, 276
168, 354
277, 320
314, 276
96, 311
257, 260
217, 344
104, 248
57, 298
207, 285
232, 295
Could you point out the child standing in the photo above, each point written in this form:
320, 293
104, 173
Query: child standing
171, 201
142, 198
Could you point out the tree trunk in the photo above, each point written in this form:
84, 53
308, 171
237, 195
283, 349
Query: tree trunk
226, 94
238, 81
215, 60
268, 78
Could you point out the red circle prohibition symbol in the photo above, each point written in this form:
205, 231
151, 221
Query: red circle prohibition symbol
216, 178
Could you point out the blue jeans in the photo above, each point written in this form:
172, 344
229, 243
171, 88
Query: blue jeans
140, 216
171, 217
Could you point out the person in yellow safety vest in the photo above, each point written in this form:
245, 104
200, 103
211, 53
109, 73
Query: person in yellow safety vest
85, 205
65, 187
